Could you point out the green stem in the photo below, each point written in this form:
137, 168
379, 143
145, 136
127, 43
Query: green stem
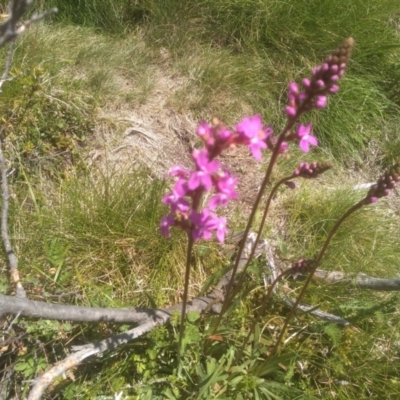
195, 205
266, 209
264, 183
185, 294
312, 272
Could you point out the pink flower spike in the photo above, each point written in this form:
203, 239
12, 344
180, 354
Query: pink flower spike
305, 139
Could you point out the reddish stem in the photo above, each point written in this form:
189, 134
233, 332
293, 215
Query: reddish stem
312, 272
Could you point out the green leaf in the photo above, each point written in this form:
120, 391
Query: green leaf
22, 366
193, 316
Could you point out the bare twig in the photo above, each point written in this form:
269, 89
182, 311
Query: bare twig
13, 322
13, 26
12, 259
360, 280
317, 313
4, 77
40, 309
9, 31
161, 317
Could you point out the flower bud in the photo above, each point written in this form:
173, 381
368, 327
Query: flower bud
384, 185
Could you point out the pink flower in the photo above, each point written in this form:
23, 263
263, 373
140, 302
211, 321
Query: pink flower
219, 225
205, 132
252, 130
205, 167
203, 224
320, 102
291, 111
176, 198
284, 147
256, 145
204, 129
305, 139
225, 186
250, 127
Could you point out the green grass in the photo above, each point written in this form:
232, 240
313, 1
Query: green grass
360, 245
97, 233
79, 60
100, 235
239, 55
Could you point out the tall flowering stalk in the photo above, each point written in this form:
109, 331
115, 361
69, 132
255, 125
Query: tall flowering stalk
200, 221
385, 184
187, 212
322, 83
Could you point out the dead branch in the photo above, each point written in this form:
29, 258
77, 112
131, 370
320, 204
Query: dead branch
317, 313
39, 309
12, 259
199, 304
147, 319
9, 31
4, 77
361, 280
13, 26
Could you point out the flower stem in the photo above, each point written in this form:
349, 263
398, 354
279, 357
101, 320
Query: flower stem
185, 295
264, 217
195, 204
264, 183
311, 274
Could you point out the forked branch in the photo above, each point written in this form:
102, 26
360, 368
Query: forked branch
158, 318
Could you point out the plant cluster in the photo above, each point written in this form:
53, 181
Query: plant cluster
185, 199
98, 234
41, 124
